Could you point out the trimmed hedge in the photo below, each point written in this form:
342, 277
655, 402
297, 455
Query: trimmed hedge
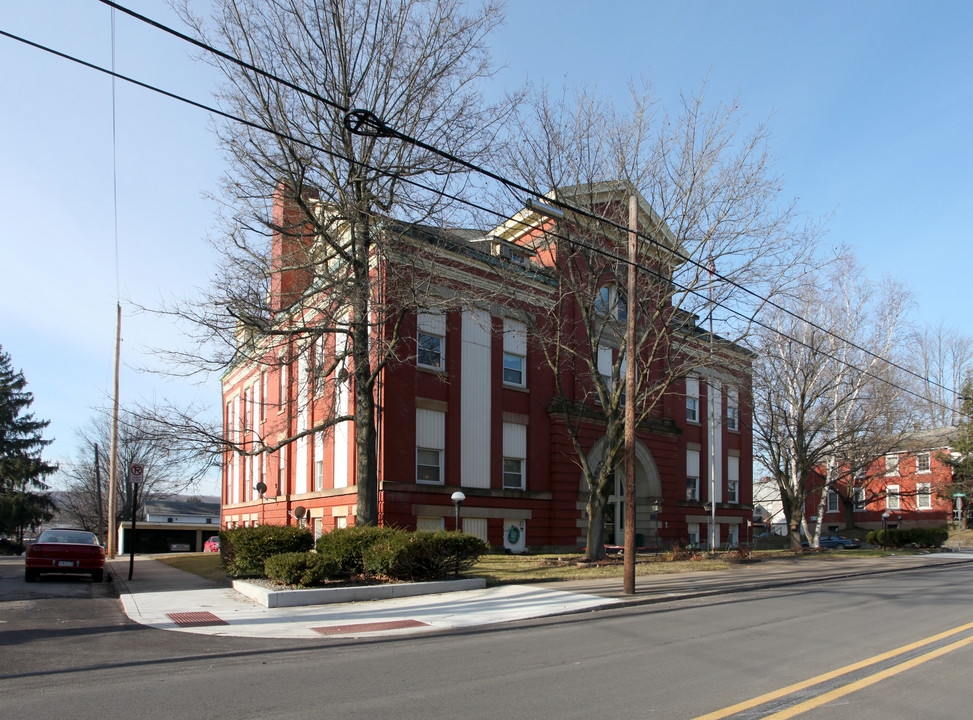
924, 537
423, 556
302, 569
347, 546
245, 550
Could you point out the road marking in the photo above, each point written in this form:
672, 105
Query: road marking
865, 682
804, 684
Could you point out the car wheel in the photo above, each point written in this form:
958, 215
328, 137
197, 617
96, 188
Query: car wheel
839, 546
98, 576
30, 575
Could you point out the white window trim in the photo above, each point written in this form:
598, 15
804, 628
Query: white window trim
442, 350
832, 495
439, 454
695, 494
927, 487
523, 370
523, 482
692, 394
892, 493
928, 469
894, 470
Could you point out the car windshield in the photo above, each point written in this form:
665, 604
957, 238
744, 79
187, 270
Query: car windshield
68, 536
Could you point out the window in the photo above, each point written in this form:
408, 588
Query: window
605, 364
692, 400
513, 474
430, 524
610, 302
282, 387
832, 501
263, 396
319, 475
282, 471
860, 501
692, 533
733, 535
514, 352
923, 496
430, 443
514, 455
733, 410
733, 479
431, 340
892, 464
922, 463
513, 369
692, 475
892, 497
429, 466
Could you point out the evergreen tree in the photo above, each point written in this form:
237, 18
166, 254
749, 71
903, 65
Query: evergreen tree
24, 501
961, 459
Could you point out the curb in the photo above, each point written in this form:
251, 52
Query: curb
325, 596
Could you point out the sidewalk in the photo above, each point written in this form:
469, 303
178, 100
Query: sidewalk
163, 597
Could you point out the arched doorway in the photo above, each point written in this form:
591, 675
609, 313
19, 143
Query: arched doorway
648, 498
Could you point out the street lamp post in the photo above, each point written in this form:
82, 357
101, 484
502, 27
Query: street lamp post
885, 523
457, 498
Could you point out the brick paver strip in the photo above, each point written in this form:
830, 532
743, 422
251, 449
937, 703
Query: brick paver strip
368, 627
195, 619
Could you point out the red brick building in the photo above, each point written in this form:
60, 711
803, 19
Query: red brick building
472, 406
910, 483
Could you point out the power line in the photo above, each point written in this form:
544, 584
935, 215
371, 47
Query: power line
368, 123
567, 206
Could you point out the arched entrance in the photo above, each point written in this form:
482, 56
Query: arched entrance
648, 498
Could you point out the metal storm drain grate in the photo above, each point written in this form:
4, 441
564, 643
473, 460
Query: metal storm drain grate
368, 627
195, 619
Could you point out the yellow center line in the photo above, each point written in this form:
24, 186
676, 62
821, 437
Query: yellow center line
785, 691
865, 682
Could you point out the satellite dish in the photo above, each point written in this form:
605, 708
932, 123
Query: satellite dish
261, 487
300, 511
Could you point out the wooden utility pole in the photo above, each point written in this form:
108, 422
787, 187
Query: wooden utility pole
113, 465
630, 354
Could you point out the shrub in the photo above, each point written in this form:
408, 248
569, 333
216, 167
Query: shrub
302, 569
924, 537
422, 556
244, 550
347, 546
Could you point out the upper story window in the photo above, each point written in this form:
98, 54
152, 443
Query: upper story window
431, 340
692, 399
611, 302
892, 464
514, 353
922, 463
861, 502
733, 409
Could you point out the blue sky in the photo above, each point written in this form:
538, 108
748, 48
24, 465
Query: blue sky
869, 105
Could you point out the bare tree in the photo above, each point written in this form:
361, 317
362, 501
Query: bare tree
943, 357
308, 200
716, 241
169, 469
828, 399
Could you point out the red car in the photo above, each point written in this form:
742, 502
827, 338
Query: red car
212, 545
65, 551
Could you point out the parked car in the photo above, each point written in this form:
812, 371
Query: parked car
836, 542
212, 545
65, 551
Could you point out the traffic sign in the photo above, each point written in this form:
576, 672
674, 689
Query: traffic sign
135, 473
959, 494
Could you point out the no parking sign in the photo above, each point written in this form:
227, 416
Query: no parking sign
135, 473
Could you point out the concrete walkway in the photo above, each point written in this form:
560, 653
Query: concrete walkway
163, 597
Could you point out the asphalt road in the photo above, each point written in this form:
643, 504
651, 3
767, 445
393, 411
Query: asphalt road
867, 645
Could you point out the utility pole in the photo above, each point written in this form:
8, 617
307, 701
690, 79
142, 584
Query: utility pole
113, 465
630, 551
